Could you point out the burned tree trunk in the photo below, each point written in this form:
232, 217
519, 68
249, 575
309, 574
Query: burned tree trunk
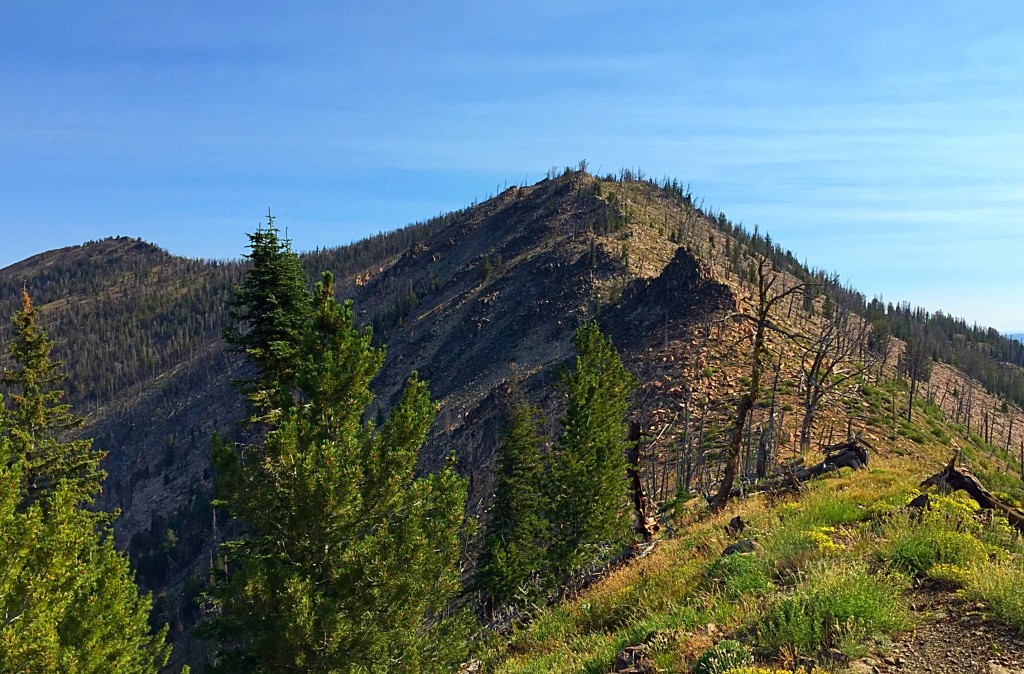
769, 295
850, 454
953, 478
646, 523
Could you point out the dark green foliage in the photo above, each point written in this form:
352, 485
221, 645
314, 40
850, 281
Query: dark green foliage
982, 353
128, 302
36, 419
172, 541
587, 486
393, 313
273, 305
513, 557
123, 302
67, 597
348, 560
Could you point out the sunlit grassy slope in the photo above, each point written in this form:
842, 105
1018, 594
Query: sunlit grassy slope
827, 581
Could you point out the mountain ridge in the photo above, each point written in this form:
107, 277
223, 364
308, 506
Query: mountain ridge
482, 302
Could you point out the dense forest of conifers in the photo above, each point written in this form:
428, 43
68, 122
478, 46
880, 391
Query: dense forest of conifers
128, 311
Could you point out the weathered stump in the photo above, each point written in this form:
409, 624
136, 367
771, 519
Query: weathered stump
953, 478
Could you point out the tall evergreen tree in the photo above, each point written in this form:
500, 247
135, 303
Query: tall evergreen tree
587, 486
37, 420
514, 551
68, 601
272, 307
348, 560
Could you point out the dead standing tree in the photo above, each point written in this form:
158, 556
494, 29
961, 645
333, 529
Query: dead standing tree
769, 443
916, 363
829, 362
770, 293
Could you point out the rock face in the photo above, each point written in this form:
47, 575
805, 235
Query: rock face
483, 303
683, 290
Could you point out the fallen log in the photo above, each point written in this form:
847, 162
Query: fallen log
850, 454
953, 478
791, 477
740, 547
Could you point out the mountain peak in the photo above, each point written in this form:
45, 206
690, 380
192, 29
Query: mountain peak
114, 246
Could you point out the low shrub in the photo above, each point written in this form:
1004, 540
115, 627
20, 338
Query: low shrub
916, 546
1001, 586
950, 573
725, 656
836, 606
738, 575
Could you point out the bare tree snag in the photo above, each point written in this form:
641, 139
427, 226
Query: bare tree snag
768, 296
646, 525
829, 362
916, 364
952, 478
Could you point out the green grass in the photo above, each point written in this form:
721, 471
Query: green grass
740, 575
829, 570
838, 605
1001, 586
686, 586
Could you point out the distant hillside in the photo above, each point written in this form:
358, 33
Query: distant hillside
483, 303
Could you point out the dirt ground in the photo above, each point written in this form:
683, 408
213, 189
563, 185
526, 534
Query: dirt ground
953, 636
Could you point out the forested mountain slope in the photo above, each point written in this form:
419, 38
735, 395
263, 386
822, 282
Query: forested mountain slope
483, 303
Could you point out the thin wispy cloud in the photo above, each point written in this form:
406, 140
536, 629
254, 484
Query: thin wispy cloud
881, 140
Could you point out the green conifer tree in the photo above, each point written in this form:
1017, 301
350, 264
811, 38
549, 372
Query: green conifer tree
272, 306
68, 601
37, 421
587, 487
513, 558
348, 560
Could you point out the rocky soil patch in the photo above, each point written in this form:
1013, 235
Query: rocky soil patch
952, 637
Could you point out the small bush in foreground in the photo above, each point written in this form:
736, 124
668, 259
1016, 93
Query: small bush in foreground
915, 547
739, 575
725, 656
836, 606
950, 573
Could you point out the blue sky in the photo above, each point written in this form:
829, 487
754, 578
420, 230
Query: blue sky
881, 140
